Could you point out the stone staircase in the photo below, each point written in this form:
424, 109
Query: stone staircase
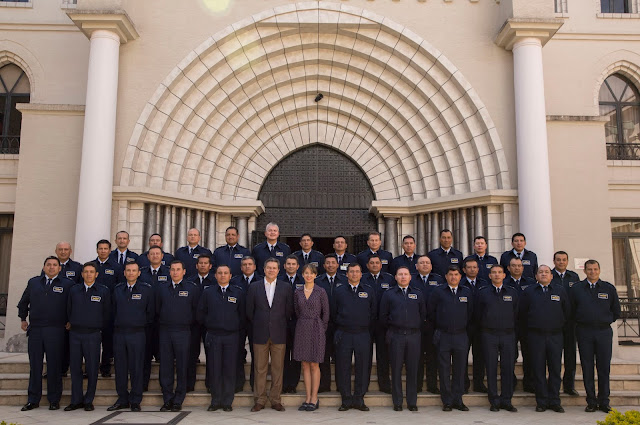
14, 379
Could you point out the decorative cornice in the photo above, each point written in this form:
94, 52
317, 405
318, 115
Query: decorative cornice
598, 119
50, 109
466, 200
113, 20
158, 196
516, 29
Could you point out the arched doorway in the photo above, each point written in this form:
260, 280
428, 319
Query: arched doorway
320, 191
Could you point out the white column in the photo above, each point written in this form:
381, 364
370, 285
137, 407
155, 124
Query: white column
93, 221
463, 243
391, 235
534, 189
421, 234
242, 223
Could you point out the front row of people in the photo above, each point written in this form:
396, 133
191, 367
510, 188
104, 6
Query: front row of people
502, 314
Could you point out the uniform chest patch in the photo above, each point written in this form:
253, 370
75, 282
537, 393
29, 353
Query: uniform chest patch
555, 297
489, 266
526, 262
384, 286
162, 262
279, 254
412, 296
232, 299
433, 282
524, 287
71, 273
162, 278
183, 293
462, 299
109, 271
603, 296
196, 256
338, 284
385, 261
363, 295
454, 261
507, 298
96, 298
238, 256
571, 284
315, 263
129, 259
344, 266
58, 289
136, 296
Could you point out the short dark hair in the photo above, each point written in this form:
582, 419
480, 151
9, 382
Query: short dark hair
248, 257
560, 253
480, 237
222, 265
51, 257
590, 262
155, 234
352, 265
378, 234
306, 234
493, 266
90, 264
403, 267
154, 247
408, 237
328, 256
515, 235
310, 267
178, 262
207, 256
453, 268
339, 236
102, 242
122, 231
422, 255
469, 260
445, 231
514, 258
271, 260
131, 263
231, 228
373, 256
292, 257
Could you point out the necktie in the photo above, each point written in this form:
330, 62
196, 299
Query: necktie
481, 258
48, 282
63, 269
424, 279
223, 291
190, 251
498, 290
355, 289
518, 282
545, 289
201, 280
291, 280
306, 258
272, 248
375, 279
86, 289
154, 272
122, 259
562, 276
246, 279
593, 286
130, 289
473, 283
453, 291
331, 281
339, 258
519, 255
404, 291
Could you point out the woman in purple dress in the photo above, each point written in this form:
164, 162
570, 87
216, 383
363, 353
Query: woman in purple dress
312, 311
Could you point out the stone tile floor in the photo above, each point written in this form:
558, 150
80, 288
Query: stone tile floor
325, 415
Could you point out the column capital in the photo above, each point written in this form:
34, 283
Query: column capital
116, 21
515, 30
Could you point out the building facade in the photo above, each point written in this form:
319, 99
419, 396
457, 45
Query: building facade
486, 117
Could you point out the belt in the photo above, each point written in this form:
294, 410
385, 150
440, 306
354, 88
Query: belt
600, 327
402, 331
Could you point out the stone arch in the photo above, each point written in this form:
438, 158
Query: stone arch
244, 99
11, 52
622, 62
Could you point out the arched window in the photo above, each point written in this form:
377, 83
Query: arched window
620, 102
14, 89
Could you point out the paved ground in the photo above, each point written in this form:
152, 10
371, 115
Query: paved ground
378, 415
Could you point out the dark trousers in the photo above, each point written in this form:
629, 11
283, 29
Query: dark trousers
428, 357
501, 345
174, 345
107, 349
222, 355
475, 346
452, 361
595, 343
382, 358
528, 380
291, 374
65, 358
242, 357
129, 358
251, 369
546, 352
404, 348
49, 341
87, 346
569, 377
197, 336
325, 366
348, 345
151, 350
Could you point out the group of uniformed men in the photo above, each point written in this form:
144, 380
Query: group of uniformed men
419, 311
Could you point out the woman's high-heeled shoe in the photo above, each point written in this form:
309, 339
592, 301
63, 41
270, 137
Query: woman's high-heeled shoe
311, 407
304, 406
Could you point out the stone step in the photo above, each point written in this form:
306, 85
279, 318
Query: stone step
20, 381
200, 399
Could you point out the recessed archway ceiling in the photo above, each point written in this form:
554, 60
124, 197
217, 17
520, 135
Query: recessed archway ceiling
244, 99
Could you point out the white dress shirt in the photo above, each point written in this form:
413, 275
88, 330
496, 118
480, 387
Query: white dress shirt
270, 289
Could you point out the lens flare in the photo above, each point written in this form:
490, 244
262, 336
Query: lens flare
216, 6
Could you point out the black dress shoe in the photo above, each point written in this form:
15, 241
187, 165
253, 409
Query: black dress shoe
237, 390
71, 407
324, 390
191, 389
227, 408
494, 408
461, 407
557, 408
509, 407
145, 388
313, 406
106, 374
481, 389
540, 408
166, 407
54, 406
529, 390
117, 406
572, 392
591, 408
30, 406
433, 390
446, 408
387, 390
213, 407
363, 408
604, 408
397, 408
343, 408
303, 407
413, 408
176, 407
89, 407
135, 407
